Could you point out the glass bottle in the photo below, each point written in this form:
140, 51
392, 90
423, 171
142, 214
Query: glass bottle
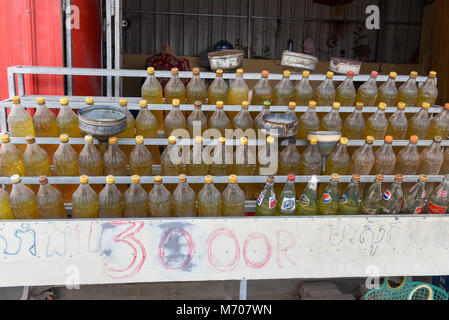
114, 160
330, 198
209, 200
184, 199
20, 122
311, 160
415, 199
262, 91
286, 206
393, 197
325, 93
439, 200
197, 121
84, 201
67, 120
308, 122
432, 158
354, 125
49, 201
66, 164
346, 92
339, 159
439, 126
11, 160
388, 93
146, 123
349, 201
160, 200
283, 91
385, 158
377, 124
367, 93
233, 199
136, 200
243, 119
408, 159
5, 208
303, 92
238, 90
266, 202
219, 120
196, 90
218, 90
110, 200
363, 159
332, 121
22, 200
372, 199
258, 123
428, 91
308, 203
151, 92
174, 88
398, 123
175, 119
408, 92
289, 159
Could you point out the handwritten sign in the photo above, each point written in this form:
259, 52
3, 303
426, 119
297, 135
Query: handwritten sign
159, 250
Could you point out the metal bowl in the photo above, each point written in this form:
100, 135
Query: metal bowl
102, 122
327, 140
226, 60
280, 125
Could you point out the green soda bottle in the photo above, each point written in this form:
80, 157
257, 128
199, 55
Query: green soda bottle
266, 203
308, 204
349, 201
329, 199
286, 205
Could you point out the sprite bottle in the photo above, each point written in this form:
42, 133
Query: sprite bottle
308, 204
329, 199
286, 205
349, 201
415, 199
266, 203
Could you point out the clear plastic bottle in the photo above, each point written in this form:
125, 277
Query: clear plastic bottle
415, 199
283, 91
428, 91
130, 121
218, 90
363, 159
196, 90
408, 159
168, 167
266, 202
84, 201
439, 126
90, 159
243, 119
262, 91
419, 124
20, 122
377, 124
339, 159
11, 160
5, 208
308, 203
289, 159
222, 160
238, 90
184, 199
385, 158
398, 123
308, 122
146, 122
258, 123
393, 197
286, 206
67, 120
44, 120
152, 93
368, 92
445, 167
174, 89
219, 120
303, 92
49, 201
346, 92
325, 93
196, 166
160, 200
245, 163
233, 199
330, 198
311, 160
432, 158
196, 121
388, 93
136, 200
209, 200
408, 91
114, 160
36, 159
354, 125
332, 121
175, 119
22, 200
292, 109
110, 200
140, 159
66, 164
349, 201
372, 199
439, 200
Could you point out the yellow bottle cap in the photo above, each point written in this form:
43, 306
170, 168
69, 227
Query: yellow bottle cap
401, 105
30, 139
135, 179
232, 178
208, 179
336, 105
423, 178
243, 141
239, 72
292, 105
89, 100
176, 102
157, 179
16, 179
88, 139
143, 103
306, 74
382, 106
245, 104
432, 74
182, 178
286, 74
426, 105
110, 179
370, 139
40, 100
393, 75
64, 101
4, 138
222, 140
84, 179
64, 137
270, 140
359, 105
172, 140
344, 141
219, 72
329, 75
174, 71
413, 74
196, 71
150, 70
123, 102
219, 104
199, 140
139, 139
313, 141
335, 177
312, 104
15, 99
112, 140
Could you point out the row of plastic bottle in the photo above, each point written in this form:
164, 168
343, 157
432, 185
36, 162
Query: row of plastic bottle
373, 201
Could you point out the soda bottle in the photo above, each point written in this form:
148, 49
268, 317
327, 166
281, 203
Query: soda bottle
175, 119
385, 158
136, 200
245, 163
36, 161
388, 93
393, 197
110, 200
130, 126
49, 201
218, 90
243, 119
209, 200
349, 201
332, 121
372, 199
258, 123
439, 126
311, 160
238, 90
196, 121
367, 93
233, 199
90, 161
196, 90
445, 167
363, 159
84, 201
5, 208
20, 122
286, 206
398, 123
160, 200
346, 92
168, 165
184, 199
11, 160
329, 200
152, 93
415, 199
439, 200
408, 92
44, 122
428, 91
325, 93
339, 159
303, 92
408, 159
219, 120
308, 203
114, 160
174, 88
289, 159
66, 164
22, 200
146, 123
308, 122
354, 125
283, 91
266, 202
432, 158
262, 91
420, 123
196, 166
377, 124
67, 120
141, 161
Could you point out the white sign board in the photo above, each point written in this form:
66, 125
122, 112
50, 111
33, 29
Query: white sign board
153, 250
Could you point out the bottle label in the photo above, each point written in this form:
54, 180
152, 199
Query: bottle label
305, 200
344, 199
327, 198
418, 210
273, 202
260, 199
442, 193
387, 195
288, 204
434, 209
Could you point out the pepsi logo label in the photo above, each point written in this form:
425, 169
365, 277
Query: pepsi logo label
273, 202
260, 199
327, 198
387, 195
